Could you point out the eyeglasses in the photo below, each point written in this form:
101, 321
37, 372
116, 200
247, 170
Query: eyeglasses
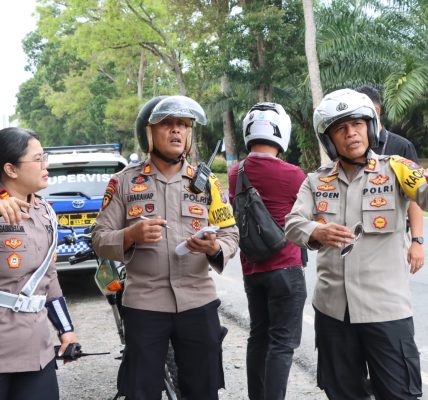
41, 159
357, 230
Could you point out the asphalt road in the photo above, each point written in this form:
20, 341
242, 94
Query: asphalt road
234, 303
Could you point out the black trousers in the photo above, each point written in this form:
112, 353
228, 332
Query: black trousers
275, 303
196, 336
34, 385
348, 352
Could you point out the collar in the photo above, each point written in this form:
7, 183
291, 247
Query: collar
372, 164
261, 155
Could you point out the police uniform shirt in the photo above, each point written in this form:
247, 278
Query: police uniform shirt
157, 278
373, 278
25, 338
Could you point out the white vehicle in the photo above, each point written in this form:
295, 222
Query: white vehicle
78, 176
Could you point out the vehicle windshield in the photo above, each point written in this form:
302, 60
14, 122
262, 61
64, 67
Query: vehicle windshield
79, 181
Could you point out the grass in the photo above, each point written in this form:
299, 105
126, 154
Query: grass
223, 180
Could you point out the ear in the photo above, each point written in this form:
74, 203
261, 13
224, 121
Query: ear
10, 170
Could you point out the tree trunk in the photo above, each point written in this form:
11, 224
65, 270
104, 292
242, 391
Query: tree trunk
140, 91
228, 127
313, 65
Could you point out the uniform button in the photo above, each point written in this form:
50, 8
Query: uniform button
39, 248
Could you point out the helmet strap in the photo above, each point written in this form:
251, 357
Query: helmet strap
349, 161
166, 159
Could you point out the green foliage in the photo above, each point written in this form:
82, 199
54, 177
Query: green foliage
219, 165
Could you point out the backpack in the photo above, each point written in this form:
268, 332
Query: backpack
260, 235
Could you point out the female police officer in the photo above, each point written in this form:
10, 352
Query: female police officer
29, 289
363, 312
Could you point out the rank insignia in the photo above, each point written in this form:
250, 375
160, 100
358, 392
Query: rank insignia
322, 206
4, 194
380, 222
14, 260
195, 209
139, 188
139, 179
135, 211
13, 243
328, 179
326, 187
189, 171
147, 169
321, 220
196, 224
371, 164
378, 202
379, 180
149, 207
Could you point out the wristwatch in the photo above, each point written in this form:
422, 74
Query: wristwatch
418, 239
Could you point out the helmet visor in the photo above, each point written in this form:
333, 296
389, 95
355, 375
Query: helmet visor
179, 107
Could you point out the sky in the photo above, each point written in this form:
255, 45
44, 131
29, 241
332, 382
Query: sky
15, 22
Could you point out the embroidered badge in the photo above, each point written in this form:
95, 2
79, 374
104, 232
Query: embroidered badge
4, 194
380, 222
149, 207
326, 187
135, 211
379, 180
409, 163
112, 186
13, 243
106, 200
321, 220
189, 171
378, 202
14, 260
371, 164
196, 224
147, 169
322, 206
139, 179
195, 209
139, 188
328, 179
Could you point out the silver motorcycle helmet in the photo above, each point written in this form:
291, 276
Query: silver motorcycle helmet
341, 105
161, 107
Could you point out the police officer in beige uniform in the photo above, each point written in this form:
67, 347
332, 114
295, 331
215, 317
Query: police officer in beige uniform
353, 210
29, 289
148, 209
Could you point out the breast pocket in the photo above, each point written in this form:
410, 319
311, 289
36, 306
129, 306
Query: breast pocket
326, 211
194, 217
379, 213
14, 254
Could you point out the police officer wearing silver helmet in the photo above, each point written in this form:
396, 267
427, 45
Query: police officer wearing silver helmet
148, 210
353, 211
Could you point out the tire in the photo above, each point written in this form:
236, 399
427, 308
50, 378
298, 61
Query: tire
171, 376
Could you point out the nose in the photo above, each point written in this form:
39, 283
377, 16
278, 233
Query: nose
350, 130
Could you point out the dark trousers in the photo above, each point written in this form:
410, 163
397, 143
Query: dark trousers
275, 303
34, 385
196, 337
387, 349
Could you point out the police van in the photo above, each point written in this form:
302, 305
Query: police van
78, 176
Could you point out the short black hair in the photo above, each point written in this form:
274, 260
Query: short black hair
371, 92
14, 144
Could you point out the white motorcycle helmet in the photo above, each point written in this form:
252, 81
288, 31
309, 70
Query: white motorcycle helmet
344, 104
267, 122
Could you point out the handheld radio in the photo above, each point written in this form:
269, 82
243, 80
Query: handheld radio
200, 179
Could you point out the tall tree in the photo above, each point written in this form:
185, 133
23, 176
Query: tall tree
312, 59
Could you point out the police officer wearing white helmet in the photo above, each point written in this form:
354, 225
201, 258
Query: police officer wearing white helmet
149, 208
275, 288
353, 211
